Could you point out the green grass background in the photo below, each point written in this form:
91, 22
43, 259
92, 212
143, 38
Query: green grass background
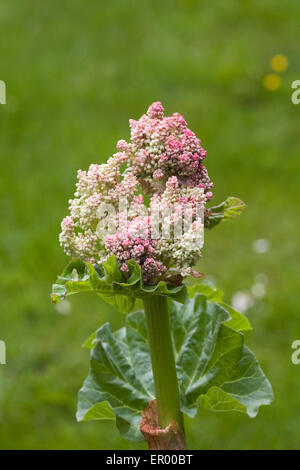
75, 72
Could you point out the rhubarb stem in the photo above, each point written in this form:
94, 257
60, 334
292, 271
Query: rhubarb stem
163, 362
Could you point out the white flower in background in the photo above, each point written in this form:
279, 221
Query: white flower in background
258, 290
242, 301
261, 245
64, 308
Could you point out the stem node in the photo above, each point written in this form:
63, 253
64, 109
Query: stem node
170, 438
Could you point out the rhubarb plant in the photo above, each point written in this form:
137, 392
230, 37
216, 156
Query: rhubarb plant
135, 233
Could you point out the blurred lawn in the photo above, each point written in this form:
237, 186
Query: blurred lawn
75, 72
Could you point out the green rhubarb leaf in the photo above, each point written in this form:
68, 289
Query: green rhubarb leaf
109, 283
211, 357
231, 207
120, 380
100, 410
215, 369
212, 293
237, 321
90, 342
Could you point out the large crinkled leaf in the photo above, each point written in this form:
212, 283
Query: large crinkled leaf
215, 369
246, 390
108, 282
231, 207
120, 376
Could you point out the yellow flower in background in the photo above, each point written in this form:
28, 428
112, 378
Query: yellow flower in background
272, 82
279, 63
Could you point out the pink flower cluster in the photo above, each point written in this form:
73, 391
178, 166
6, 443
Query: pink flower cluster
162, 147
124, 246
164, 159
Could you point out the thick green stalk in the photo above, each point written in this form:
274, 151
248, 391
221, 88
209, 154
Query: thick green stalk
163, 362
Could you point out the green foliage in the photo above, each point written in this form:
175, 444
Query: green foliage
121, 375
237, 321
108, 282
215, 369
231, 207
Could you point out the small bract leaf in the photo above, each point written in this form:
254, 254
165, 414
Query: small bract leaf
108, 282
231, 207
238, 321
211, 292
121, 375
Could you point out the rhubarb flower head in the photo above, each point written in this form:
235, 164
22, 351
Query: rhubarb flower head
146, 204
